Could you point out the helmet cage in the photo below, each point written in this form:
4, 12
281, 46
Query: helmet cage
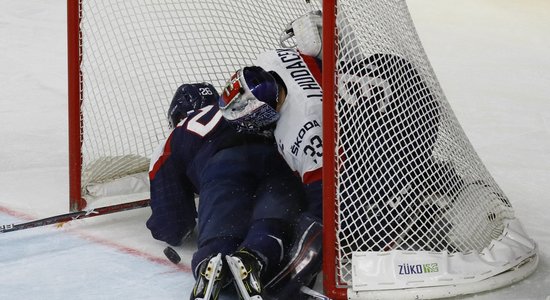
249, 102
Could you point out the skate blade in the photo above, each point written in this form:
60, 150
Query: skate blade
235, 269
215, 265
313, 294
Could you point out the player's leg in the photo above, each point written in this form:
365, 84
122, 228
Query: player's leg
224, 211
279, 199
302, 262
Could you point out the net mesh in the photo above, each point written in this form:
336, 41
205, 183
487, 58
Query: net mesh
407, 178
136, 53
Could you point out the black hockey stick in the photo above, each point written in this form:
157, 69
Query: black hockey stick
77, 215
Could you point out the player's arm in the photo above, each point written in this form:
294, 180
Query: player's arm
172, 199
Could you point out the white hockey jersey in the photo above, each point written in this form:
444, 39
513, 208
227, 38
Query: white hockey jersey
299, 130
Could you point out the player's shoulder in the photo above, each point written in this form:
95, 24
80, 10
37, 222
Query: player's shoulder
266, 59
276, 56
205, 113
279, 52
202, 121
197, 127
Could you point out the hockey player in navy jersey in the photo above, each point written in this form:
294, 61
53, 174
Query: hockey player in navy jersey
247, 194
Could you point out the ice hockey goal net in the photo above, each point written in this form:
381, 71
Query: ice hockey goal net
409, 207
127, 58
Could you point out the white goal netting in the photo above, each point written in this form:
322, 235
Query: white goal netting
407, 180
136, 53
409, 188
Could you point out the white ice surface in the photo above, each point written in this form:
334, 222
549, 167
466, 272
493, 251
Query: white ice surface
492, 58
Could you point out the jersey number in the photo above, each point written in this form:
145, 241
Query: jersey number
199, 127
315, 148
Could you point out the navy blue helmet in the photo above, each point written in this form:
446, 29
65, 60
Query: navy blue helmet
188, 98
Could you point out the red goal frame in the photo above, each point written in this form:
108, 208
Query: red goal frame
335, 285
74, 51
330, 284
76, 202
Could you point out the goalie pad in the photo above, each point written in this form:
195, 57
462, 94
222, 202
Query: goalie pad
307, 33
304, 261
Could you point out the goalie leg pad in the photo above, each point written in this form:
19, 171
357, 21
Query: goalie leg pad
304, 261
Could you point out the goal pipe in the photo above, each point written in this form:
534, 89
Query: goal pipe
74, 49
329, 189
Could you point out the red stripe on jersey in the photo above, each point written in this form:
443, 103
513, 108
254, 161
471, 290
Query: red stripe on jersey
166, 152
313, 65
313, 176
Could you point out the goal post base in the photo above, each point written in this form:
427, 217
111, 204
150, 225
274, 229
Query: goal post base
399, 274
511, 276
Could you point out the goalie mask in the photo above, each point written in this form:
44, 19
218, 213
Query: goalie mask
249, 100
188, 98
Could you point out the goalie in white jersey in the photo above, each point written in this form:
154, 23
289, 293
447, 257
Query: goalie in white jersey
290, 109
280, 95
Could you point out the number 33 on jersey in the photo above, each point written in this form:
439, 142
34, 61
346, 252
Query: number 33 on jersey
299, 130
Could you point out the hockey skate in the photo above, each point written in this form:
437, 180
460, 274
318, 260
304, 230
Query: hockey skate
211, 277
246, 269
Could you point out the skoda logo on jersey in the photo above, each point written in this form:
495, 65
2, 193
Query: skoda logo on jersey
295, 148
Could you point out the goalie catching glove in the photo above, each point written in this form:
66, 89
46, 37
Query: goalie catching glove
307, 33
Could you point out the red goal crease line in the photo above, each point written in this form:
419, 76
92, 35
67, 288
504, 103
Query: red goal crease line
116, 246
15, 214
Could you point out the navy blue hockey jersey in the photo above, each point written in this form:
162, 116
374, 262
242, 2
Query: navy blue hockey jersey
176, 169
